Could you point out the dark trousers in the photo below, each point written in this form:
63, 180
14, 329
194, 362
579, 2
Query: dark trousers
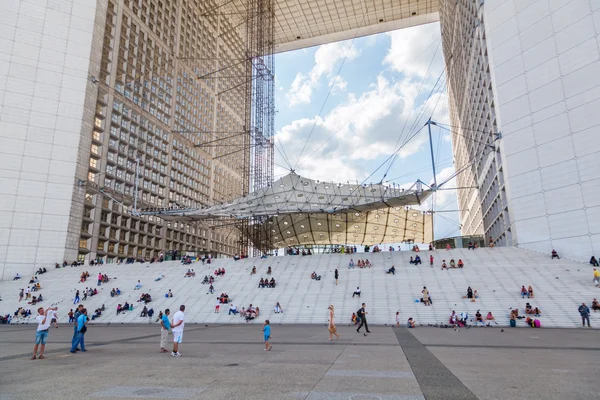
363, 321
585, 318
356, 294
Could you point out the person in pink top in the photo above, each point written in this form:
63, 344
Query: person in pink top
99, 279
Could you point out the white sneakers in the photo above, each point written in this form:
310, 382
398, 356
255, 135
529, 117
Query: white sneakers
178, 354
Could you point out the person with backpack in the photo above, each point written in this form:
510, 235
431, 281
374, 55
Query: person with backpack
362, 315
81, 330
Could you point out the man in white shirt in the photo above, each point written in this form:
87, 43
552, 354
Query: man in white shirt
232, 309
177, 328
44, 319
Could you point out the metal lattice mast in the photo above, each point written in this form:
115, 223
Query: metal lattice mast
259, 112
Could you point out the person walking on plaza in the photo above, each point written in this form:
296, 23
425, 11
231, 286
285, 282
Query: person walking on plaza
584, 311
177, 329
165, 327
43, 319
362, 314
332, 328
267, 335
81, 326
336, 274
76, 300
21, 294
75, 317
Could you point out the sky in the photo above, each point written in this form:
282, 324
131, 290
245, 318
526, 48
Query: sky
356, 111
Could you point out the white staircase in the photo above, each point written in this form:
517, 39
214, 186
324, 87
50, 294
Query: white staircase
559, 285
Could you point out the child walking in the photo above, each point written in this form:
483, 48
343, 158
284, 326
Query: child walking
267, 335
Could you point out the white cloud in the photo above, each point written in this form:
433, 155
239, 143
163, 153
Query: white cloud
406, 47
327, 58
300, 90
362, 128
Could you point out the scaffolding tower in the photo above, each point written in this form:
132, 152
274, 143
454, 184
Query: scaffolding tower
259, 114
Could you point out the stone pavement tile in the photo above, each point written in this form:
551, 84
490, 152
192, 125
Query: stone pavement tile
524, 373
526, 337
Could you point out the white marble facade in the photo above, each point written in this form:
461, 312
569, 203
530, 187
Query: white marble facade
545, 66
45, 48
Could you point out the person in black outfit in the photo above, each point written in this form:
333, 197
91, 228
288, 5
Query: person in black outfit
336, 275
362, 314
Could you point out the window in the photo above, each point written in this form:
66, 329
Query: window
83, 243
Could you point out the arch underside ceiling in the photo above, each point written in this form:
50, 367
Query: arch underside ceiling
387, 225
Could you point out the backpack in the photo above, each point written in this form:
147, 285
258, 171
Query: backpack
537, 323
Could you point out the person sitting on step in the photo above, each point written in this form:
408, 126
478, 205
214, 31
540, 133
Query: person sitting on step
356, 292
555, 254
391, 271
530, 292
528, 309
272, 283
444, 265
452, 263
595, 305
261, 284
460, 264
537, 312
479, 318
410, 323
524, 292
594, 262
269, 271
411, 261
417, 260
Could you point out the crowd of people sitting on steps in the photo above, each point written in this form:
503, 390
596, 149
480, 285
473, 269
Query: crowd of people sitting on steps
266, 283
190, 274
453, 264
360, 264
251, 313
146, 298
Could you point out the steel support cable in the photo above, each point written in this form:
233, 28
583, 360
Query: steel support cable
363, 107
377, 169
216, 8
412, 106
281, 151
332, 85
461, 49
421, 112
465, 136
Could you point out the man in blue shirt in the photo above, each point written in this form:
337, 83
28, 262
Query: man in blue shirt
165, 327
81, 329
75, 317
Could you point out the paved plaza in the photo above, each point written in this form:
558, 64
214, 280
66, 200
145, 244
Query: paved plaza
228, 362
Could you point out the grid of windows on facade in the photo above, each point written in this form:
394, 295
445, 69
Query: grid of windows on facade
474, 122
150, 113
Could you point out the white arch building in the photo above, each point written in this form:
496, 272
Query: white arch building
525, 68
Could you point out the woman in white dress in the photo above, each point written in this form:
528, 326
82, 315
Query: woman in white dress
332, 328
